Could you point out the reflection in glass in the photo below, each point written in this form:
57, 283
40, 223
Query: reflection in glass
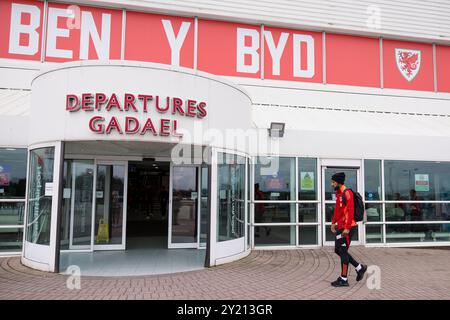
11, 239
231, 197
373, 212
308, 235
40, 204
275, 178
417, 180
249, 212
329, 211
13, 171
76, 222
66, 204
307, 212
274, 212
204, 207
417, 211
417, 232
372, 179
11, 213
282, 235
109, 204
374, 233
184, 204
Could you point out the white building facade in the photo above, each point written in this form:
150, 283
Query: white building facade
114, 112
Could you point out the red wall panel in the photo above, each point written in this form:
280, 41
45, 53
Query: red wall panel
217, 48
353, 60
443, 70
393, 77
24, 38
146, 39
287, 57
72, 42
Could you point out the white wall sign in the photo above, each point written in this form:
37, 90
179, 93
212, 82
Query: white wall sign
422, 182
49, 189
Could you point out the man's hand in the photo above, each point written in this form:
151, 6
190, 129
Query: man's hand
333, 228
345, 232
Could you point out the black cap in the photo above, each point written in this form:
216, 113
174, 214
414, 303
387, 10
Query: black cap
339, 177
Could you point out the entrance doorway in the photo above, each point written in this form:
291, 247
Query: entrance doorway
352, 180
148, 204
126, 206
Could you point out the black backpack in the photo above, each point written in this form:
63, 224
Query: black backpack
358, 205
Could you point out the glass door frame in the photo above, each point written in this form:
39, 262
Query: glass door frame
97, 247
72, 247
192, 245
345, 165
226, 251
39, 256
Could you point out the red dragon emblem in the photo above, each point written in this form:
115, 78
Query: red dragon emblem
408, 62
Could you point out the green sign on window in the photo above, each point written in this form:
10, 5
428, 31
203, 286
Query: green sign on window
307, 181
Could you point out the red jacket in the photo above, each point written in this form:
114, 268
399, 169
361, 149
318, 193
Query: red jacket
344, 215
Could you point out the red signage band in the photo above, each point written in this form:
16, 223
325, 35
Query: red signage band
223, 48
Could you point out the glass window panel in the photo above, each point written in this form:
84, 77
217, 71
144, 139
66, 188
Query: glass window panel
109, 204
372, 179
11, 239
307, 179
329, 211
204, 207
275, 178
11, 213
374, 233
417, 233
13, 171
275, 236
184, 204
307, 212
66, 204
274, 212
374, 211
417, 211
249, 207
417, 180
329, 236
82, 202
40, 205
307, 235
231, 196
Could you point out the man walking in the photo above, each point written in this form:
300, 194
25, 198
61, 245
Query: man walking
344, 226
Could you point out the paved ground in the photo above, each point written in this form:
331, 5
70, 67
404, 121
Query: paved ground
288, 274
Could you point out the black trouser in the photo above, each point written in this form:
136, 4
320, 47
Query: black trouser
341, 247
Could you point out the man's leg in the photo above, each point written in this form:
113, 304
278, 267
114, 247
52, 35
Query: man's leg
352, 261
345, 256
341, 250
348, 241
360, 268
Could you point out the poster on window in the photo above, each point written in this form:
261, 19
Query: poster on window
422, 182
5, 172
307, 181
